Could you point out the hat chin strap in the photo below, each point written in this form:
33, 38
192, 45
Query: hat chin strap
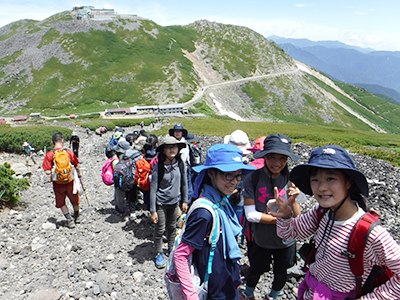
329, 224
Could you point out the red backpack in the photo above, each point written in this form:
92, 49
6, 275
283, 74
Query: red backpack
355, 253
142, 175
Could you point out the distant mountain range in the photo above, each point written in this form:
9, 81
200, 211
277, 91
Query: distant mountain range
68, 64
376, 71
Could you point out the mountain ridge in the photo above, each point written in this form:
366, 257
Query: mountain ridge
346, 63
62, 64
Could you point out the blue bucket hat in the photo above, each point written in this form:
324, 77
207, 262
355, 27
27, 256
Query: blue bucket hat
328, 157
224, 157
178, 127
277, 143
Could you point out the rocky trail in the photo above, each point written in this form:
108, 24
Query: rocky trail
109, 256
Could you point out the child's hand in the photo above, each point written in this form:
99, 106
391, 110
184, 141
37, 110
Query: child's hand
154, 217
284, 210
292, 192
184, 207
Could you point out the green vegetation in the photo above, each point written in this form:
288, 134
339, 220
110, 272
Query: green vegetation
10, 186
109, 69
111, 124
370, 143
50, 36
380, 112
11, 139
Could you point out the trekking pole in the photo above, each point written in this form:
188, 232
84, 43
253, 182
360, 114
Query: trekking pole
84, 190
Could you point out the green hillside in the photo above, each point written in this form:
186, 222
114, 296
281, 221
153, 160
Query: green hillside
62, 65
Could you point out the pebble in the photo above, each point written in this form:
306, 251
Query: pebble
108, 256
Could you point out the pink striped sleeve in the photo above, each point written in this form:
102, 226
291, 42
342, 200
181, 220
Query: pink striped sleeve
182, 268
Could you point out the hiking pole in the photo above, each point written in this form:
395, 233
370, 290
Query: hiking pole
84, 190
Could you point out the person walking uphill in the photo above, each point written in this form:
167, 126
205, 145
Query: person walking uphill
339, 188
217, 180
62, 165
168, 188
267, 247
74, 142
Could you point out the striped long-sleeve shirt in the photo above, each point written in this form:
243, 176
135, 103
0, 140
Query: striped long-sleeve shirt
333, 269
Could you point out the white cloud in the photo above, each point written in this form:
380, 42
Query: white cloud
301, 5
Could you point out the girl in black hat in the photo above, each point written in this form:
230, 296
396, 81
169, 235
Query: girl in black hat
168, 188
267, 248
339, 188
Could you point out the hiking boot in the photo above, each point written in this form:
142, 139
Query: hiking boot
168, 253
70, 224
243, 296
77, 219
160, 262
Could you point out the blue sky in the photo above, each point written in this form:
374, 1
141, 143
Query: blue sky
363, 23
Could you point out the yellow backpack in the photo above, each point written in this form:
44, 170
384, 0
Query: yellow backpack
62, 171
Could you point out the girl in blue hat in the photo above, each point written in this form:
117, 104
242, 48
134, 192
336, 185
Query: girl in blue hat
267, 248
338, 186
217, 180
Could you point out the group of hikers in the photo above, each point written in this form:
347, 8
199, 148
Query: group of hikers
244, 192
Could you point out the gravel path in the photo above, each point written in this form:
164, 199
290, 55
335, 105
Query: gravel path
108, 256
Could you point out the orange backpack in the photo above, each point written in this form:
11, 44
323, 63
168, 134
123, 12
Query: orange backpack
62, 171
143, 171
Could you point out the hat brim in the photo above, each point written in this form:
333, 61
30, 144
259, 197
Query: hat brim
193, 140
262, 153
180, 146
225, 167
300, 176
184, 132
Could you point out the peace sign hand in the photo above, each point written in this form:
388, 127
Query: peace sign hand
284, 208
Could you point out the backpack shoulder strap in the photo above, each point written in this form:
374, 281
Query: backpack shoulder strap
214, 234
321, 211
355, 248
257, 174
212, 208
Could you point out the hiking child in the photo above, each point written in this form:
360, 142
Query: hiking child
180, 133
143, 167
74, 141
29, 150
66, 186
121, 204
239, 139
337, 185
268, 248
168, 188
217, 179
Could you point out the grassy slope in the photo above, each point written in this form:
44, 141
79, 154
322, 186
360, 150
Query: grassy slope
126, 66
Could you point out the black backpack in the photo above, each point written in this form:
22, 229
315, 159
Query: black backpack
124, 177
194, 155
124, 170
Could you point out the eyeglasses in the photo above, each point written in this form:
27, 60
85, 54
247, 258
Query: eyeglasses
231, 177
169, 147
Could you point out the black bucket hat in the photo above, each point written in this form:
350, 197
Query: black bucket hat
178, 127
277, 143
328, 157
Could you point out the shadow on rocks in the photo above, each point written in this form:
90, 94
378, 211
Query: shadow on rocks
142, 252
